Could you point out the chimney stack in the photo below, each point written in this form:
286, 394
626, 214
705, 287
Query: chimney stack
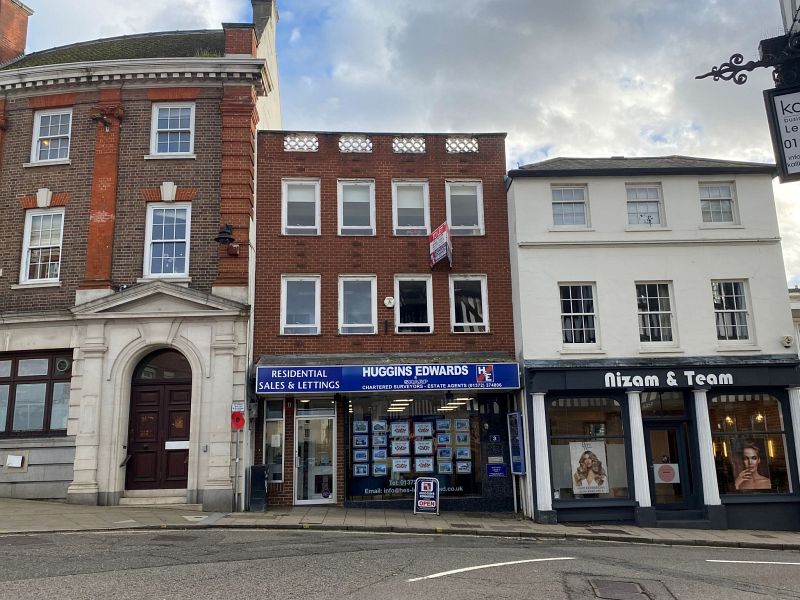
262, 13
13, 29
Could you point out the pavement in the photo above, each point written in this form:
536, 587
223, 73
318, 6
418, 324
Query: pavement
39, 516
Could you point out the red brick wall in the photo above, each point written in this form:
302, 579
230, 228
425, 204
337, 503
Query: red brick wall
383, 254
197, 179
13, 30
239, 39
137, 174
102, 211
17, 182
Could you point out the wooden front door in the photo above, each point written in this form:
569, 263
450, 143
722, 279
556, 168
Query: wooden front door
158, 439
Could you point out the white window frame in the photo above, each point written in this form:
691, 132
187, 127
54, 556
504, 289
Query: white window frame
282, 421
484, 303
429, 297
734, 205
26, 247
411, 231
750, 340
374, 304
284, 281
154, 130
148, 242
596, 314
587, 215
343, 229
477, 230
660, 201
37, 119
285, 183
672, 315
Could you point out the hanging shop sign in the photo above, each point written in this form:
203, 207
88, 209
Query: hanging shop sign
386, 378
426, 495
516, 443
783, 110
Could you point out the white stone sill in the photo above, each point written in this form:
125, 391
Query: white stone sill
170, 156
656, 350
572, 351
27, 286
183, 281
749, 348
47, 163
570, 229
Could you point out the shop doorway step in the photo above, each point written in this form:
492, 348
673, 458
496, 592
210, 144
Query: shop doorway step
158, 498
682, 519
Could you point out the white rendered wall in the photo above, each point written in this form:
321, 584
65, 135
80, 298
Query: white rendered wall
615, 256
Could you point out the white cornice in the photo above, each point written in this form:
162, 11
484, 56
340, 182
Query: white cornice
147, 69
650, 242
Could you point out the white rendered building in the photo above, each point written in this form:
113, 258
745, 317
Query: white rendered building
654, 326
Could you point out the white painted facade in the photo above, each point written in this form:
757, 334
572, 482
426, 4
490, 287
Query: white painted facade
615, 256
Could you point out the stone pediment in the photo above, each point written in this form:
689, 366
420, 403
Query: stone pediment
159, 299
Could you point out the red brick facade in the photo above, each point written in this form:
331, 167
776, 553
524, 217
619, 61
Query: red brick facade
382, 255
13, 29
108, 182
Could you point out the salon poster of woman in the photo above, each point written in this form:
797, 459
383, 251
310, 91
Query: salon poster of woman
588, 461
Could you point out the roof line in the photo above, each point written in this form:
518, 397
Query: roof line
408, 133
114, 39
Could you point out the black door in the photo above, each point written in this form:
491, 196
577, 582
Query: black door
669, 464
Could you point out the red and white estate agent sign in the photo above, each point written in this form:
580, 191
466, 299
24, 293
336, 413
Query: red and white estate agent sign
440, 245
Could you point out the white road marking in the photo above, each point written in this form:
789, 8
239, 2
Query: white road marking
753, 562
502, 564
121, 522
193, 517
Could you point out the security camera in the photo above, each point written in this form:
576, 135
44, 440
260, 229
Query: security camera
786, 341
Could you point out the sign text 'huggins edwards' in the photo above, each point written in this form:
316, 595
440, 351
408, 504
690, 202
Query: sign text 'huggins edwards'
683, 379
370, 378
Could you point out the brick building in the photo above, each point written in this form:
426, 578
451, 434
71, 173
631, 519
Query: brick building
372, 366
124, 327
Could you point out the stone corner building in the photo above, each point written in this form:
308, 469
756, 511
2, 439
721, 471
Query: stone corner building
124, 326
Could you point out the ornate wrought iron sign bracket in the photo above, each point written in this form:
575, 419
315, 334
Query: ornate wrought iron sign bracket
781, 53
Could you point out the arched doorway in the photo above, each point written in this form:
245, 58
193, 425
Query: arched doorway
158, 434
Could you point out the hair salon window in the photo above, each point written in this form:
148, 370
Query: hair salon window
749, 441
587, 448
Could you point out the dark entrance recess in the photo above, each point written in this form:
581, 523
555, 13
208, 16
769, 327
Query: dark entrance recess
158, 434
673, 483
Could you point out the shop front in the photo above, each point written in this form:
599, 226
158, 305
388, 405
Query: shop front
358, 435
684, 443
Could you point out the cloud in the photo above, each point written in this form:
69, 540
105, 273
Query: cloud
56, 23
579, 78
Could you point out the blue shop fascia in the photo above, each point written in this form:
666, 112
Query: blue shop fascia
358, 429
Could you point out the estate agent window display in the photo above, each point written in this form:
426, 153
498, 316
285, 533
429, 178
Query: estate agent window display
394, 439
588, 450
750, 443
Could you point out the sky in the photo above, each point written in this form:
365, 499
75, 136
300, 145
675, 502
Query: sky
562, 78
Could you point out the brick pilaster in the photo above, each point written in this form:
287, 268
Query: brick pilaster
102, 212
2, 127
239, 119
